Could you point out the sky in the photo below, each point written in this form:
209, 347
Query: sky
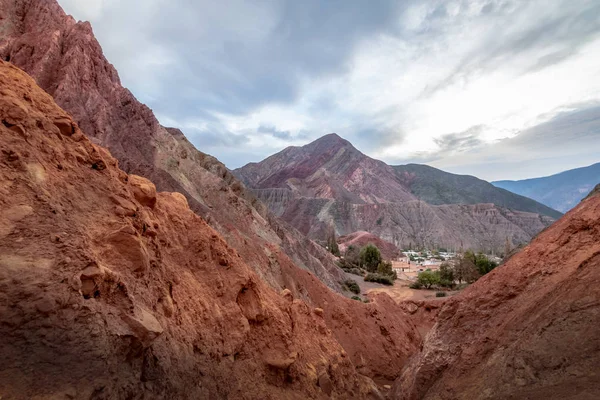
499, 89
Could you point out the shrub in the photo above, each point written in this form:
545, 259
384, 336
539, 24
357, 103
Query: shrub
352, 286
385, 268
415, 285
370, 257
428, 279
356, 298
440, 294
383, 279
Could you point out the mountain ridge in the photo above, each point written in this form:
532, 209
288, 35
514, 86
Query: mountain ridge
562, 191
329, 182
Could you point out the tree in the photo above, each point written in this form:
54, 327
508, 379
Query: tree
332, 242
446, 275
428, 278
370, 257
465, 268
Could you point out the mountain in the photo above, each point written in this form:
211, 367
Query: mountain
562, 191
330, 183
527, 330
65, 59
112, 290
438, 187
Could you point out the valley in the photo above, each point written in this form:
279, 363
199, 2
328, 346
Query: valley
133, 265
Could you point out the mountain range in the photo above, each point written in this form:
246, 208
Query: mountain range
561, 191
330, 183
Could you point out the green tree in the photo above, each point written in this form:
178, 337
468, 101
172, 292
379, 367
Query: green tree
332, 245
428, 278
370, 257
446, 275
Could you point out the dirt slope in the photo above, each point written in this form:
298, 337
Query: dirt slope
528, 330
109, 289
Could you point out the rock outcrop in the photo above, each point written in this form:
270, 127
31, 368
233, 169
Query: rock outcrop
65, 59
330, 183
110, 289
527, 330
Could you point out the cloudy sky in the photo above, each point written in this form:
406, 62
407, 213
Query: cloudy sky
500, 89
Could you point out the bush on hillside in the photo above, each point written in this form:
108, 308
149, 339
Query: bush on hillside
377, 278
440, 294
415, 285
352, 286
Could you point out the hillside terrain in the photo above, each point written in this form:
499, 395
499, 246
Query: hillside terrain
65, 59
527, 330
561, 191
109, 289
360, 239
329, 182
438, 187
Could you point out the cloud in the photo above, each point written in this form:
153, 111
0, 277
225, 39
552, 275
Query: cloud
460, 142
437, 80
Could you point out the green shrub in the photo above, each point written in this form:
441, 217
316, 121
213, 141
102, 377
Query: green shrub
383, 279
415, 285
352, 286
440, 294
356, 298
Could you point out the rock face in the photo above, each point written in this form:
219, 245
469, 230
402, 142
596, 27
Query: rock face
360, 239
65, 59
110, 289
527, 330
561, 191
329, 182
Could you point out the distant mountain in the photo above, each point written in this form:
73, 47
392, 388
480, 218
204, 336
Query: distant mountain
562, 191
439, 187
330, 183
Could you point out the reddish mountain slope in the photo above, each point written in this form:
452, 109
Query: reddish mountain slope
65, 59
109, 289
330, 182
360, 239
527, 330
328, 168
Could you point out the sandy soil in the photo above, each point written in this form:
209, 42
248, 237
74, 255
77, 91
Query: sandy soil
399, 291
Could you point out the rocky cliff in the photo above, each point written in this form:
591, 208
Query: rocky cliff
67, 62
527, 330
109, 289
329, 182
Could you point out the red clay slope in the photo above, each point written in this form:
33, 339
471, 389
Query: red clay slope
388, 250
528, 330
110, 290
